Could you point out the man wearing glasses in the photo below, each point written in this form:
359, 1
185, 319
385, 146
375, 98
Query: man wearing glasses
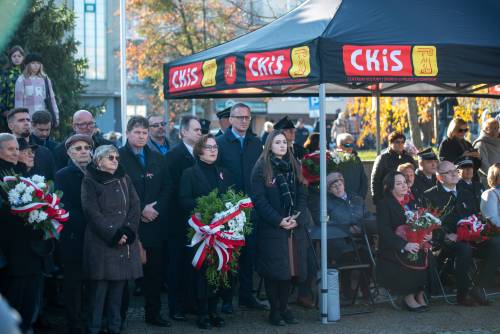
158, 134
239, 149
83, 124
456, 204
387, 161
69, 181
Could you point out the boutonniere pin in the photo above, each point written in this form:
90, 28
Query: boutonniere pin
221, 175
149, 175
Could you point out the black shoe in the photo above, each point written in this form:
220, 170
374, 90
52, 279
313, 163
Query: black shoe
478, 295
253, 304
178, 316
217, 321
276, 320
289, 318
158, 321
204, 323
227, 308
418, 309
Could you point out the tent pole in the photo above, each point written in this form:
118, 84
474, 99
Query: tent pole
323, 211
377, 98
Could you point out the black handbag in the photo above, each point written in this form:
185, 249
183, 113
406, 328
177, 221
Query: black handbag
48, 102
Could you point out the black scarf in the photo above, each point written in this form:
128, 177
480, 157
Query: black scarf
285, 180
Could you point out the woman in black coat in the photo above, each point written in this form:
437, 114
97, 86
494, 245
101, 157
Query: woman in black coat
394, 270
197, 181
278, 195
456, 147
111, 249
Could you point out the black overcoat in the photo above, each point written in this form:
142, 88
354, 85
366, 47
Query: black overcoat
152, 184
272, 240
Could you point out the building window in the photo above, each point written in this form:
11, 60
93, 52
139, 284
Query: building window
90, 31
136, 110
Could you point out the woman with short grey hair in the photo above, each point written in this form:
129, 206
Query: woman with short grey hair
111, 250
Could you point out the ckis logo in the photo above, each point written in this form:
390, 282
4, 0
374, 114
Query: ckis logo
390, 60
192, 76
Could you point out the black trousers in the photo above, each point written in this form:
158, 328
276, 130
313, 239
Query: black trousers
463, 252
73, 283
206, 296
178, 272
152, 281
246, 265
278, 292
24, 295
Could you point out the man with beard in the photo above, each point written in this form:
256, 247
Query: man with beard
83, 124
69, 181
19, 123
41, 126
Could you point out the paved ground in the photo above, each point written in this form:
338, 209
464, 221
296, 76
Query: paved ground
442, 318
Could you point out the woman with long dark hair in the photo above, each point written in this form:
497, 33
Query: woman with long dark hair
279, 196
8, 83
395, 272
197, 181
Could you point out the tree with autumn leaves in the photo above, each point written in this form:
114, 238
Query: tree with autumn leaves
402, 114
170, 29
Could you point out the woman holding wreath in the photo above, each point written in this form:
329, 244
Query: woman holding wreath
197, 181
279, 196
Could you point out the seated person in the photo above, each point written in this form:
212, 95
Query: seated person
408, 170
346, 212
466, 172
395, 271
490, 199
425, 175
459, 203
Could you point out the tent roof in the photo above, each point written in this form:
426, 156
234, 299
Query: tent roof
446, 47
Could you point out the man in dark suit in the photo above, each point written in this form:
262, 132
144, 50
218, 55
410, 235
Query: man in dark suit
83, 124
151, 180
19, 122
458, 204
425, 175
69, 181
387, 161
239, 149
178, 159
289, 130
41, 126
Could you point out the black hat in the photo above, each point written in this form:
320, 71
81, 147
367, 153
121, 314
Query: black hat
78, 137
427, 154
224, 113
464, 163
205, 126
32, 57
24, 144
283, 124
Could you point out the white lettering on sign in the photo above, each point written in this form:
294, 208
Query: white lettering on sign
266, 65
372, 60
185, 77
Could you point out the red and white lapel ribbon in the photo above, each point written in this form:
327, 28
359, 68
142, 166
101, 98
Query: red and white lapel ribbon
211, 236
474, 223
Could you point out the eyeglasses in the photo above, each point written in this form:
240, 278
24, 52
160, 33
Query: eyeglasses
211, 147
463, 130
114, 157
157, 125
348, 145
242, 118
450, 172
398, 142
85, 125
79, 148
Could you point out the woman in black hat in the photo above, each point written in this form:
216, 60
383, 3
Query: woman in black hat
34, 88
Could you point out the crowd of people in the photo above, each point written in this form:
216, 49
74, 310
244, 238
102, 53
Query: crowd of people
129, 208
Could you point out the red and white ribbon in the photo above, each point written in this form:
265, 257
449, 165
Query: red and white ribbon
212, 236
474, 223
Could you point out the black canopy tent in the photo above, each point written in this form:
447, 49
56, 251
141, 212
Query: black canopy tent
351, 48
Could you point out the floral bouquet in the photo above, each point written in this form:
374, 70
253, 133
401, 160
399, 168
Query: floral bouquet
31, 199
335, 161
419, 223
219, 225
476, 229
